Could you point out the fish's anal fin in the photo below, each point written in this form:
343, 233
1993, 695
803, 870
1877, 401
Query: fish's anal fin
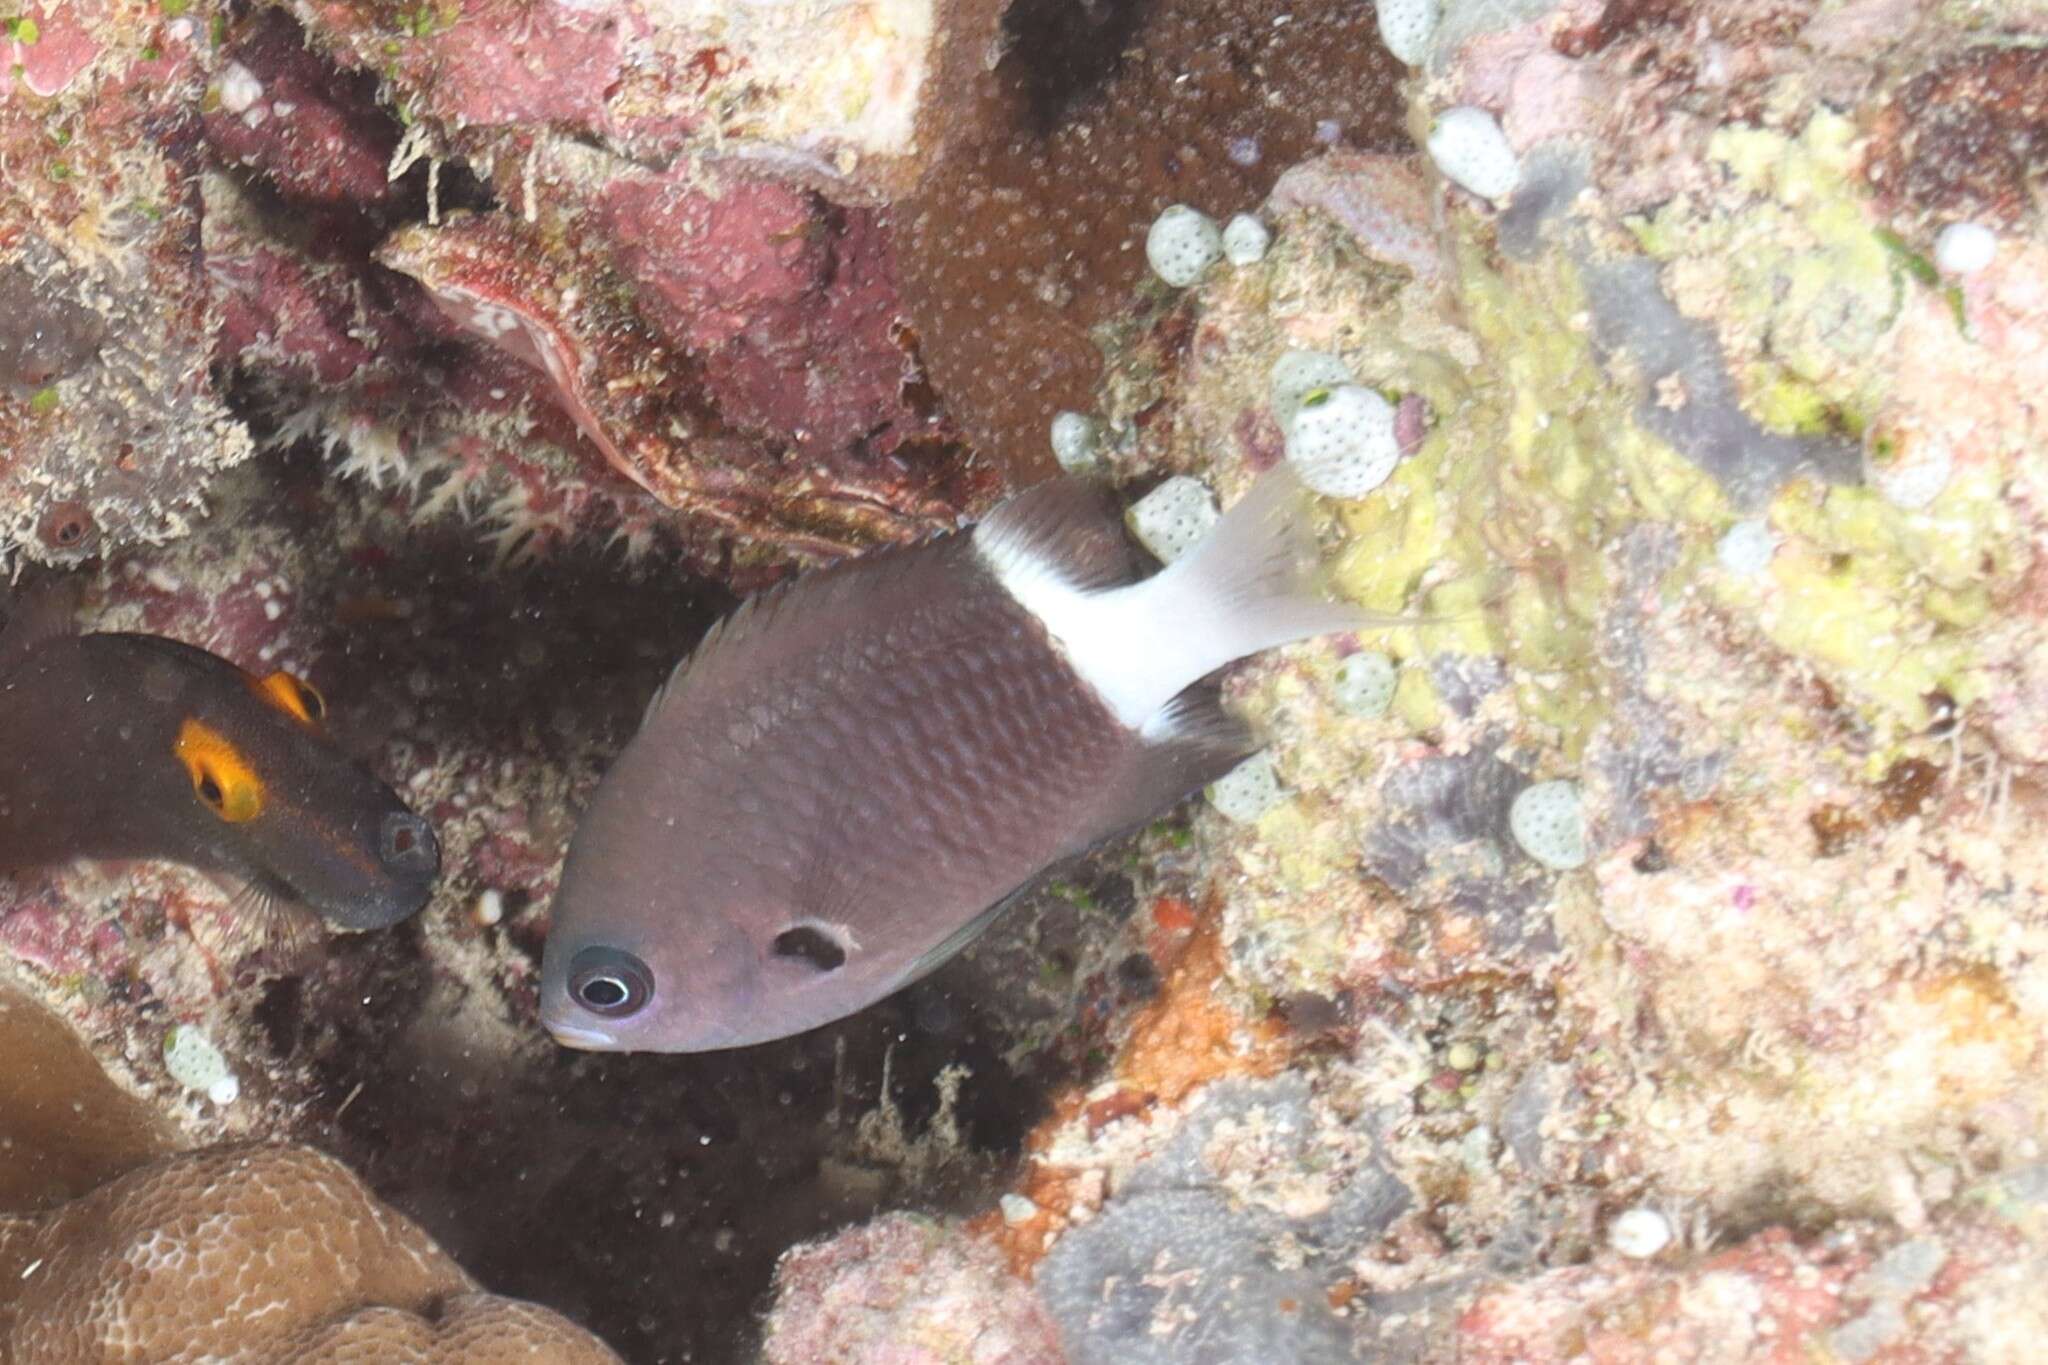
46, 612
1189, 743
1071, 526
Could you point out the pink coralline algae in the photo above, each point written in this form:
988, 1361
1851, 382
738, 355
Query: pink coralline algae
903, 1291
276, 108
106, 405
62, 48
556, 307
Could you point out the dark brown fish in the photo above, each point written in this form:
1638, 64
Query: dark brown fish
851, 774
136, 746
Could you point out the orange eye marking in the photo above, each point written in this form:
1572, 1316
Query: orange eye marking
221, 777
294, 696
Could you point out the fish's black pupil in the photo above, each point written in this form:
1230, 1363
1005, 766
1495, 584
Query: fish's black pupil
610, 982
812, 945
210, 790
605, 992
310, 699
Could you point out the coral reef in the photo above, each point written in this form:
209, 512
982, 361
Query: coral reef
1674, 896
902, 1287
1638, 952
254, 1253
110, 428
1029, 236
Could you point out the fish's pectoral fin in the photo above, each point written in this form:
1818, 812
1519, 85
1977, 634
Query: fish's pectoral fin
937, 956
270, 917
46, 612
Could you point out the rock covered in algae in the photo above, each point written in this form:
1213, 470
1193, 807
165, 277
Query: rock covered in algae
110, 426
1790, 979
253, 1253
899, 1284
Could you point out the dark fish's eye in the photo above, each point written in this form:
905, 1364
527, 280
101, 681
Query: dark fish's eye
609, 982
811, 945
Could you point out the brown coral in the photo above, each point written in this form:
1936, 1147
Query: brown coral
1022, 242
253, 1253
64, 1126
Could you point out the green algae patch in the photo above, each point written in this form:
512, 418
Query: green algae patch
1856, 592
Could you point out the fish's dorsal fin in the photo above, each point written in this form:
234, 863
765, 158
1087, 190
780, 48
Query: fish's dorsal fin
1072, 526
46, 612
784, 626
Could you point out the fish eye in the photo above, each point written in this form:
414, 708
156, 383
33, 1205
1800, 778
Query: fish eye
294, 696
221, 777
808, 944
609, 982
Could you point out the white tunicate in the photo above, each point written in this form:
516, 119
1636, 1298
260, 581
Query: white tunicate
1299, 374
1964, 248
1182, 244
1249, 790
1173, 518
1408, 27
1245, 240
1075, 438
195, 1063
1746, 547
1640, 1233
1911, 471
1342, 441
1365, 685
1547, 822
239, 88
1468, 146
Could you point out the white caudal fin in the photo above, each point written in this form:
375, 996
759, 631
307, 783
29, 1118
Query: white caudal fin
1249, 586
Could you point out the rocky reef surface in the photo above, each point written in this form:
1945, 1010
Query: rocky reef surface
1641, 954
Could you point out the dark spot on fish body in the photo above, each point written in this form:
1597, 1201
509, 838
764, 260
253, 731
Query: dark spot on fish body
811, 946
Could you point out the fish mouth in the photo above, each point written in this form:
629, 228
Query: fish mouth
584, 1039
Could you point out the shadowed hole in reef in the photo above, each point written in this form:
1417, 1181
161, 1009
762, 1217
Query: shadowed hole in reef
647, 1196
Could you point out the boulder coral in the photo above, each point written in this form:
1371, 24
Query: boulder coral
254, 1253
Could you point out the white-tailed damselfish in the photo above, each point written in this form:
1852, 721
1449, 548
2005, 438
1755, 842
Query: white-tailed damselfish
849, 776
